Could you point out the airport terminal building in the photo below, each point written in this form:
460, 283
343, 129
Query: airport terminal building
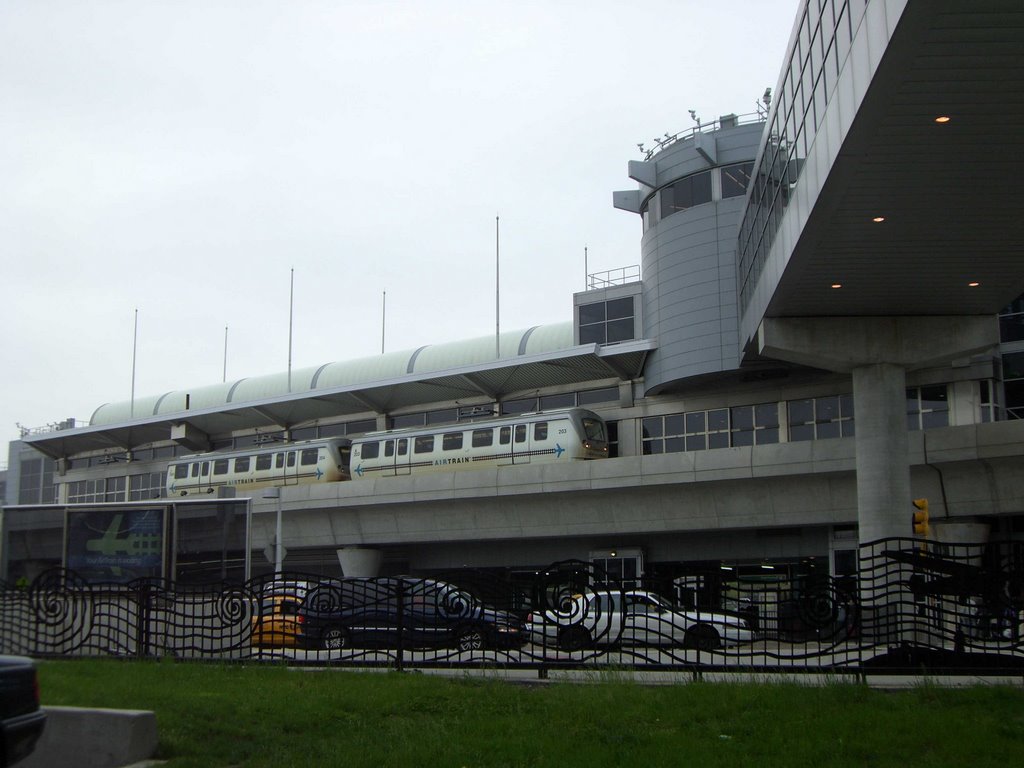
824, 325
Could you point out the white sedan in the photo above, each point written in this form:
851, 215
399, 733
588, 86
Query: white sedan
633, 617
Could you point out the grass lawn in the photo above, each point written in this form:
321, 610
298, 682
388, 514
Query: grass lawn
267, 715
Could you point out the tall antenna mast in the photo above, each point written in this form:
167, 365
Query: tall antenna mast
586, 270
383, 319
225, 353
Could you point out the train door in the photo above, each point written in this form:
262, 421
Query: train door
403, 465
200, 476
396, 457
521, 444
286, 466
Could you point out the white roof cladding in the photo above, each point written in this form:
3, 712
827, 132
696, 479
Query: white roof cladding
367, 370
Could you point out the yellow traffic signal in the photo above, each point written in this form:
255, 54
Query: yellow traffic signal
919, 518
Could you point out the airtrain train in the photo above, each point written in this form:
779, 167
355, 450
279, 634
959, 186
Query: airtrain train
532, 438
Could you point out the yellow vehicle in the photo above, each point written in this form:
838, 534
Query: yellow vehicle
278, 623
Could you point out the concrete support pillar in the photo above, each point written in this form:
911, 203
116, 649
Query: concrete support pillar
877, 352
883, 471
359, 562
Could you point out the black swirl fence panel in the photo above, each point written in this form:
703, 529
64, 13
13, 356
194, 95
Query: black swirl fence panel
912, 606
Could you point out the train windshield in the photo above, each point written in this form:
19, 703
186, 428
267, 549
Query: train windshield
594, 429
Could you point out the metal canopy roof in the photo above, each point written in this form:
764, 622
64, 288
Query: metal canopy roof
493, 381
951, 194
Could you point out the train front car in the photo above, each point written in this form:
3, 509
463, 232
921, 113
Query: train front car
315, 461
529, 438
591, 432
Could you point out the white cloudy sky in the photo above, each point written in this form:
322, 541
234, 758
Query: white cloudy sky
180, 157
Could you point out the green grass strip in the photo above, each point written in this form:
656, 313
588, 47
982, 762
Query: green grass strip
253, 715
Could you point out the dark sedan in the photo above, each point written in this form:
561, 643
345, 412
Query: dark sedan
416, 613
21, 719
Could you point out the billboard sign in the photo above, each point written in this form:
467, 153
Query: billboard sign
116, 545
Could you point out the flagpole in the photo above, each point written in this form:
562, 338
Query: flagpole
497, 290
383, 318
291, 308
135, 346
225, 353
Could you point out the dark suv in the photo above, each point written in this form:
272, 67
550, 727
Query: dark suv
418, 613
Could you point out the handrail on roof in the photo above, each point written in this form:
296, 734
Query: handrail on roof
55, 426
725, 121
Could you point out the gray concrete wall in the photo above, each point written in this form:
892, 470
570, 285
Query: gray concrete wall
730, 496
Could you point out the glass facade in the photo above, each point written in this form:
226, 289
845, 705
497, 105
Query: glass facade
693, 190
715, 428
35, 482
584, 399
927, 407
823, 40
820, 418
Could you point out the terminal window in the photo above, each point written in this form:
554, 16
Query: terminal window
607, 322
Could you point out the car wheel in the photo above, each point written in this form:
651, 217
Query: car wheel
335, 638
703, 637
471, 640
573, 639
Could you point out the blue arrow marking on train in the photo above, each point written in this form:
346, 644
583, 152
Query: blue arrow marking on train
559, 450
319, 473
359, 470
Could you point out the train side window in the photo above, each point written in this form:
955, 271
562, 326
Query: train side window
205, 468
505, 435
220, 467
291, 458
195, 469
389, 447
278, 461
242, 464
423, 444
451, 441
483, 438
540, 430
180, 471
403, 446
263, 461
520, 433
308, 456
371, 450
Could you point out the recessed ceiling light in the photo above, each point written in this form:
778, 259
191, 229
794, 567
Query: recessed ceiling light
837, 285
973, 284
878, 219
942, 119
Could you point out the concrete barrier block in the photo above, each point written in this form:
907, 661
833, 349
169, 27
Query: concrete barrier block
78, 737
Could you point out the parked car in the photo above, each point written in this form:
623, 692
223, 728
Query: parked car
21, 719
634, 617
420, 613
278, 623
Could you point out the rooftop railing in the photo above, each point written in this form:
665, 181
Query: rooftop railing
611, 277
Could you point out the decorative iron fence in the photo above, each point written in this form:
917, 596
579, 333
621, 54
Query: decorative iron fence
913, 606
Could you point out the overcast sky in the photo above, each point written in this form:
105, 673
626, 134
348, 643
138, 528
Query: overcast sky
179, 158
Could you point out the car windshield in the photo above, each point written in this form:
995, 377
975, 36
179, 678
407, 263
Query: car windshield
658, 601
